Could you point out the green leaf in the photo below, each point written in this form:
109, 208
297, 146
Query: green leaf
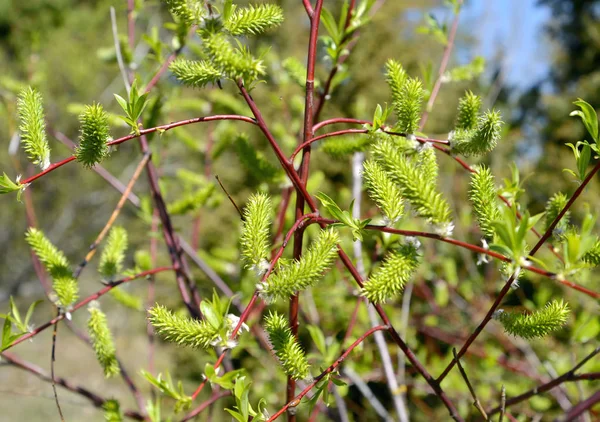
208, 312
7, 185
318, 338
330, 25
30, 312
589, 117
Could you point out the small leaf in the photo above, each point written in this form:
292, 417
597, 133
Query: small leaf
589, 117
7, 185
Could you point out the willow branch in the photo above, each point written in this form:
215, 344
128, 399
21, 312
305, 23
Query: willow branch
508, 284
162, 128
569, 376
330, 369
85, 301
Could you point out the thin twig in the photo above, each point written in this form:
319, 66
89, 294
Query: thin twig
585, 405
367, 393
502, 403
230, 198
476, 401
442, 69
569, 376
508, 284
117, 43
113, 216
330, 369
95, 399
85, 301
53, 377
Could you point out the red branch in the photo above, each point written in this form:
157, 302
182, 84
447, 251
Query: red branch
508, 284
162, 128
296, 401
85, 301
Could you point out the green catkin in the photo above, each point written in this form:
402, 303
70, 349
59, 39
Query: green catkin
395, 76
482, 139
286, 348
408, 107
388, 281
304, 272
182, 330
94, 136
64, 284
255, 232
32, 127
553, 207
111, 260
483, 197
468, 110
195, 73
422, 195
537, 324
102, 341
383, 191
253, 20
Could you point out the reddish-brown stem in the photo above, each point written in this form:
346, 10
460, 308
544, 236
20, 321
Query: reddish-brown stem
246, 313
351, 131
332, 367
87, 300
578, 409
339, 120
340, 60
285, 202
204, 405
162, 128
95, 399
308, 7
569, 376
287, 165
508, 284
442, 70
474, 248
315, 19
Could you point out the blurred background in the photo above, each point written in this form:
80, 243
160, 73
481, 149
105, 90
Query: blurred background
540, 56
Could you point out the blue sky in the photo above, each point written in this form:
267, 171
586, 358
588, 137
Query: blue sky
514, 27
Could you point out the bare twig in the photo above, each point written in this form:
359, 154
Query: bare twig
442, 69
569, 376
85, 301
95, 399
239, 211
52, 376
117, 43
502, 403
113, 216
476, 401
